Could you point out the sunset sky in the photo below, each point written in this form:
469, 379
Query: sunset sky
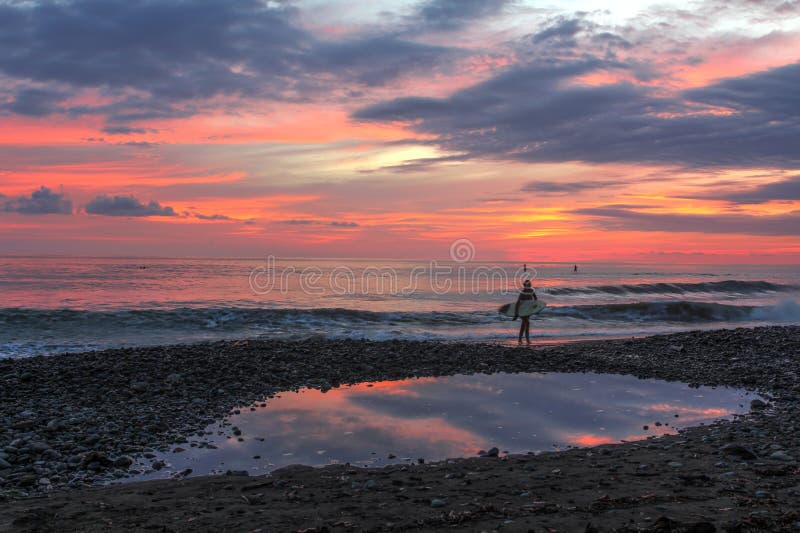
572, 130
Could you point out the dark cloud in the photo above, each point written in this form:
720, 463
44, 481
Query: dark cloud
299, 222
537, 113
612, 218
773, 93
561, 32
343, 224
313, 222
127, 206
153, 60
454, 14
34, 102
127, 130
42, 201
374, 61
788, 189
212, 217
499, 200
559, 187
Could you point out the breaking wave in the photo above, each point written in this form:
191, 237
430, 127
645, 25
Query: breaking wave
26, 332
707, 287
14, 319
680, 312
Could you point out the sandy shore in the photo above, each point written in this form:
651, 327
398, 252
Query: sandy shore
71, 421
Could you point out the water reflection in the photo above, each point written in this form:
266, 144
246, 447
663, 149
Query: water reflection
456, 416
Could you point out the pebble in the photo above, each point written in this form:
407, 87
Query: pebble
438, 502
781, 456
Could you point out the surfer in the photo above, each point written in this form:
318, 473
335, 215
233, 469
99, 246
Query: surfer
527, 293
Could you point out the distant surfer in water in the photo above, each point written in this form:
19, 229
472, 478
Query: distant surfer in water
527, 293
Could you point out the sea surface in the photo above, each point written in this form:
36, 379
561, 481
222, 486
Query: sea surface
62, 304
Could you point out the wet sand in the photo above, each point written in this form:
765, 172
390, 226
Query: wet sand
74, 420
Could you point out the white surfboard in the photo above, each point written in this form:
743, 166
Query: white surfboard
526, 308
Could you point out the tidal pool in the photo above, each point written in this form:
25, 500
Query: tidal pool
372, 424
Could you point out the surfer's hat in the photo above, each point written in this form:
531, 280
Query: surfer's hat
527, 283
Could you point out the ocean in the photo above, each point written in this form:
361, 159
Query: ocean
54, 305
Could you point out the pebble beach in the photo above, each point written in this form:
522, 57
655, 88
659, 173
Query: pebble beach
74, 425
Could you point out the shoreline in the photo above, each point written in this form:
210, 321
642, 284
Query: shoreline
50, 405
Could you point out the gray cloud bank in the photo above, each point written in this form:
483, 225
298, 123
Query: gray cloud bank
532, 113
612, 218
42, 201
786, 190
127, 206
154, 60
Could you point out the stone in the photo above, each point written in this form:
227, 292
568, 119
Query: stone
123, 461
781, 456
438, 502
139, 386
739, 451
757, 405
38, 447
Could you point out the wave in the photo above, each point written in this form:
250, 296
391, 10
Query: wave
233, 318
219, 318
26, 332
681, 311
728, 286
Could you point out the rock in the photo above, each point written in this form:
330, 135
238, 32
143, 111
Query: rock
139, 386
123, 462
38, 447
757, 405
781, 456
674, 464
4, 464
739, 451
438, 502
371, 484
493, 452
